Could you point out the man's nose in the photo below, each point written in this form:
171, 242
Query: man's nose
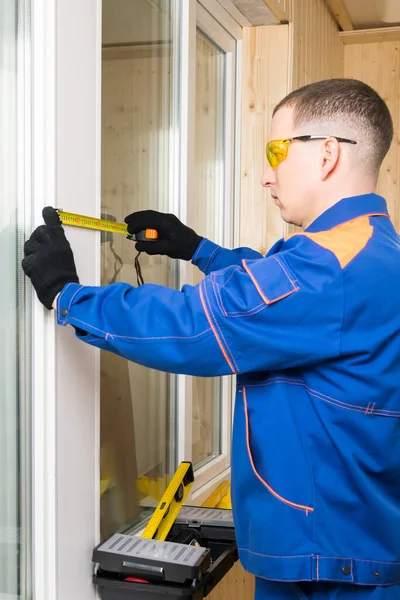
268, 177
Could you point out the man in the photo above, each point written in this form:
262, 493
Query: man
312, 332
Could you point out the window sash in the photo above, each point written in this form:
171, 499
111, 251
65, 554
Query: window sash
66, 108
197, 17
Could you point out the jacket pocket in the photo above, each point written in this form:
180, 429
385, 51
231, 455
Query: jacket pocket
242, 292
277, 459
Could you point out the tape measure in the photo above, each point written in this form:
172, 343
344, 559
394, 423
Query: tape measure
170, 504
75, 220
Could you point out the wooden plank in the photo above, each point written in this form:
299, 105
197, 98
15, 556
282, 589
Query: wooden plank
308, 42
264, 85
294, 52
318, 53
341, 14
236, 585
353, 61
378, 64
388, 183
366, 36
339, 58
370, 65
319, 40
328, 56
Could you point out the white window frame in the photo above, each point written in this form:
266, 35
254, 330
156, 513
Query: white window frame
66, 49
66, 115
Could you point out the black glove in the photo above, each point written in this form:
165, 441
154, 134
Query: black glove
49, 261
175, 239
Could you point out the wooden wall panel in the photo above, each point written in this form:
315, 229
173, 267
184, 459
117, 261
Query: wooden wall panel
265, 82
317, 49
275, 61
378, 64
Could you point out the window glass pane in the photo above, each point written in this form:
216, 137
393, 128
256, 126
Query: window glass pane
15, 319
208, 217
138, 107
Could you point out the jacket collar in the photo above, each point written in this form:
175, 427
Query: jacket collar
348, 209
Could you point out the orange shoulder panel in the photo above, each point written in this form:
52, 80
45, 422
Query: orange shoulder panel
345, 241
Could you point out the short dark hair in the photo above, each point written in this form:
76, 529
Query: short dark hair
349, 101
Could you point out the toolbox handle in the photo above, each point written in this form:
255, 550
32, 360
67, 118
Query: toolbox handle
220, 568
137, 569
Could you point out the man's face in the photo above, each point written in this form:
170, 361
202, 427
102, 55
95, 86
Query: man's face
293, 182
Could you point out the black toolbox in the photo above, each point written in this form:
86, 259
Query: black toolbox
199, 551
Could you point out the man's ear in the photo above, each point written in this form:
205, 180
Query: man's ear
330, 152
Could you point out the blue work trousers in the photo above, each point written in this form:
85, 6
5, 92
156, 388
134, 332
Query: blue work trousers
270, 590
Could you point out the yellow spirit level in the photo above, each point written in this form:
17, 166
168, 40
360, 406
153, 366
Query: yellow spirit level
170, 504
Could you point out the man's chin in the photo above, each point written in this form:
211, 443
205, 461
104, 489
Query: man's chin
288, 218
284, 215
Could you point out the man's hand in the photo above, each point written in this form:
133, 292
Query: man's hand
175, 239
49, 260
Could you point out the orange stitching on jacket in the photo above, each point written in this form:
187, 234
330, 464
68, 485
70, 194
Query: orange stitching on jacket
294, 381
218, 296
325, 398
234, 270
276, 555
70, 301
251, 312
210, 258
306, 509
218, 327
365, 560
214, 332
129, 337
284, 269
234, 314
256, 285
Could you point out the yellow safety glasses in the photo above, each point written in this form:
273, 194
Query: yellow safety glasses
277, 149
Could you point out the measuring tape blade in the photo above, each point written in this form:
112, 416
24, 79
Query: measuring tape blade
76, 220
170, 504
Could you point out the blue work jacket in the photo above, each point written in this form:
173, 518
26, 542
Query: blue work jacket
312, 332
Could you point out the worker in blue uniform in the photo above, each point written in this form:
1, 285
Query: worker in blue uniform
312, 332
